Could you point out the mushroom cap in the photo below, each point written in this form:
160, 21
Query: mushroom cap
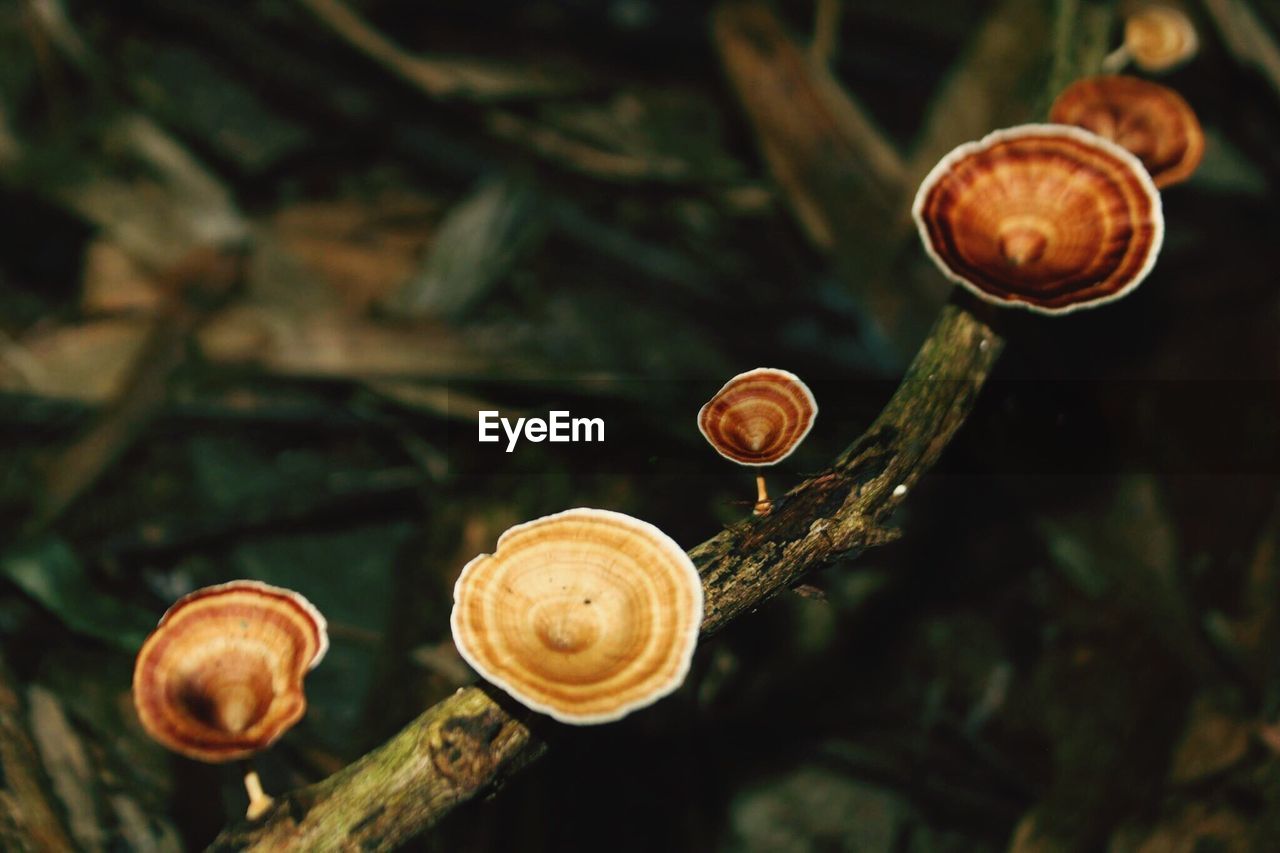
759, 417
1151, 121
585, 615
1049, 218
1160, 37
220, 677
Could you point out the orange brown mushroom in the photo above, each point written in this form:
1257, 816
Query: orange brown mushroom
585, 615
220, 678
759, 418
1048, 218
1151, 121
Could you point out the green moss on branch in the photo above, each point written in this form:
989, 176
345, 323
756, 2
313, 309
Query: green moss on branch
469, 743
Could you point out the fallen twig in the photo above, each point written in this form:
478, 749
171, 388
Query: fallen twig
440, 77
562, 149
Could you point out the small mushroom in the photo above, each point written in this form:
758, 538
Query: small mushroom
585, 615
1153, 122
1048, 218
220, 678
759, 418
1158, 37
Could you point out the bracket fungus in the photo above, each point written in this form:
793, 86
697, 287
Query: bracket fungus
220, 678
1151, 121
1048, 218
1158, 37
759, 418
585, 615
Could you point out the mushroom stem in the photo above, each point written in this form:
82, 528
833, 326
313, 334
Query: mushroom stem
259, 801
763, 504
1115, 61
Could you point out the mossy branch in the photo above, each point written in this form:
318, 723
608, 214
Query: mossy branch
471, 742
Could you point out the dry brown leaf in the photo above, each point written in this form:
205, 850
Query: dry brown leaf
362, 249
1195, 828
29, 818
1212, 741
1250, 635
331, 344
84, 361
64, 759
113, 282
151, 197
88, 361
439, 399
1028, 838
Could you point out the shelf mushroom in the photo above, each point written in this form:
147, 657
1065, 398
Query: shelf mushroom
759, 418
1158, 37
1151, 121
220, 678
585, 615
1049, 218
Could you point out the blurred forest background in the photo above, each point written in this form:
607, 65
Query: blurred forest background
612, 207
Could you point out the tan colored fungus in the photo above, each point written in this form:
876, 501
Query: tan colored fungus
220, 678
585, 615
1160, 37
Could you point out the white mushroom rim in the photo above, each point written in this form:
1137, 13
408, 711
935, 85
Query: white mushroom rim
1030, 130
794, 381
684, 642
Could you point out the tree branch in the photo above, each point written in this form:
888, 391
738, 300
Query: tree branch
469, 742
